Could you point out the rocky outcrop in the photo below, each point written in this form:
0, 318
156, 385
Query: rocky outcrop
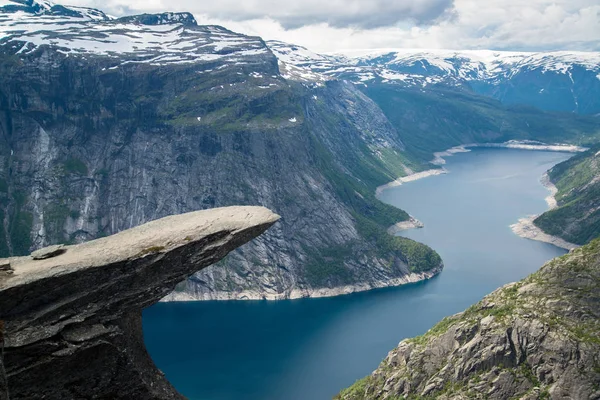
71, 323
535, 339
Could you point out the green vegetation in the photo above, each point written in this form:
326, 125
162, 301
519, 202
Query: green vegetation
20, 232
75, 166
234, 108
19, 227
355, 187
327, 265
55, 217
150, 250
577, 219
418, 257
357, 390
437, 330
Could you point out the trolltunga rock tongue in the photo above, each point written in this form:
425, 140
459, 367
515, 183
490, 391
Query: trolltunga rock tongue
71, 324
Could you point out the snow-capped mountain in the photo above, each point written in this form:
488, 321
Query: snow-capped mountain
562, 80
167, 38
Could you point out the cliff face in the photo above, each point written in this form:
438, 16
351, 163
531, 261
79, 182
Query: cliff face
71, 324
97, 139
577, 217
535, 339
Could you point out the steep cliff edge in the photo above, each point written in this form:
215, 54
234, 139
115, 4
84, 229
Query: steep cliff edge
535, 339
72, 323
108, 124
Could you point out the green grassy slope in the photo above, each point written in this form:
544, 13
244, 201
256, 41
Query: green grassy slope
577, 219
438, 118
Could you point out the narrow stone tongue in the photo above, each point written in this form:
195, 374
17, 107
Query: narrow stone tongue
70, 316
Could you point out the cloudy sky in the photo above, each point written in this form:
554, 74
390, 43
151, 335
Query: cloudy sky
342, 25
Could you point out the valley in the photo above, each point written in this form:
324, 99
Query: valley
393, 178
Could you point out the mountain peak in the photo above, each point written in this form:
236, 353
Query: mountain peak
165, 18
48, 8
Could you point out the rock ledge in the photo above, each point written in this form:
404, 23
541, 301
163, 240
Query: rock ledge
71, 324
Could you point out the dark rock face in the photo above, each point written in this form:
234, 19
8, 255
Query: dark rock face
535, 339
72, 323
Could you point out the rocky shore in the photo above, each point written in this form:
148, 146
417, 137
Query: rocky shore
533, 145
412, 223
535, 339
438, 158
526, 228
410, 178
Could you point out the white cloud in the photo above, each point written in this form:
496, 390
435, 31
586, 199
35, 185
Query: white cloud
362, 24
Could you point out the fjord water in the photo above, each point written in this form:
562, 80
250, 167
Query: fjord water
309, 349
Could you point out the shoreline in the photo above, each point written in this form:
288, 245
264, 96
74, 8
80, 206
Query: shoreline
511, 144
438, 159
527, 229
410, 178
295, 294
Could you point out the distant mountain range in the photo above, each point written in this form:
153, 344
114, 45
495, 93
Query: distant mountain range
556, 81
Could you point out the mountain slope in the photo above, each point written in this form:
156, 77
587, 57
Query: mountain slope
107, 124
439, 118
577, 218
534, 339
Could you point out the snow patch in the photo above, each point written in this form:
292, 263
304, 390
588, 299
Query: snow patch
172, 41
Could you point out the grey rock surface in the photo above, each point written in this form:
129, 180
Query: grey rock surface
72, 323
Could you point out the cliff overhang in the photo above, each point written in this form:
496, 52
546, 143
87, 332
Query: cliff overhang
71, 323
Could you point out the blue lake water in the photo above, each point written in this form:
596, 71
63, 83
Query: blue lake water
309, 349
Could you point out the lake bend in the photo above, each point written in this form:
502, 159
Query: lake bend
310, 349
